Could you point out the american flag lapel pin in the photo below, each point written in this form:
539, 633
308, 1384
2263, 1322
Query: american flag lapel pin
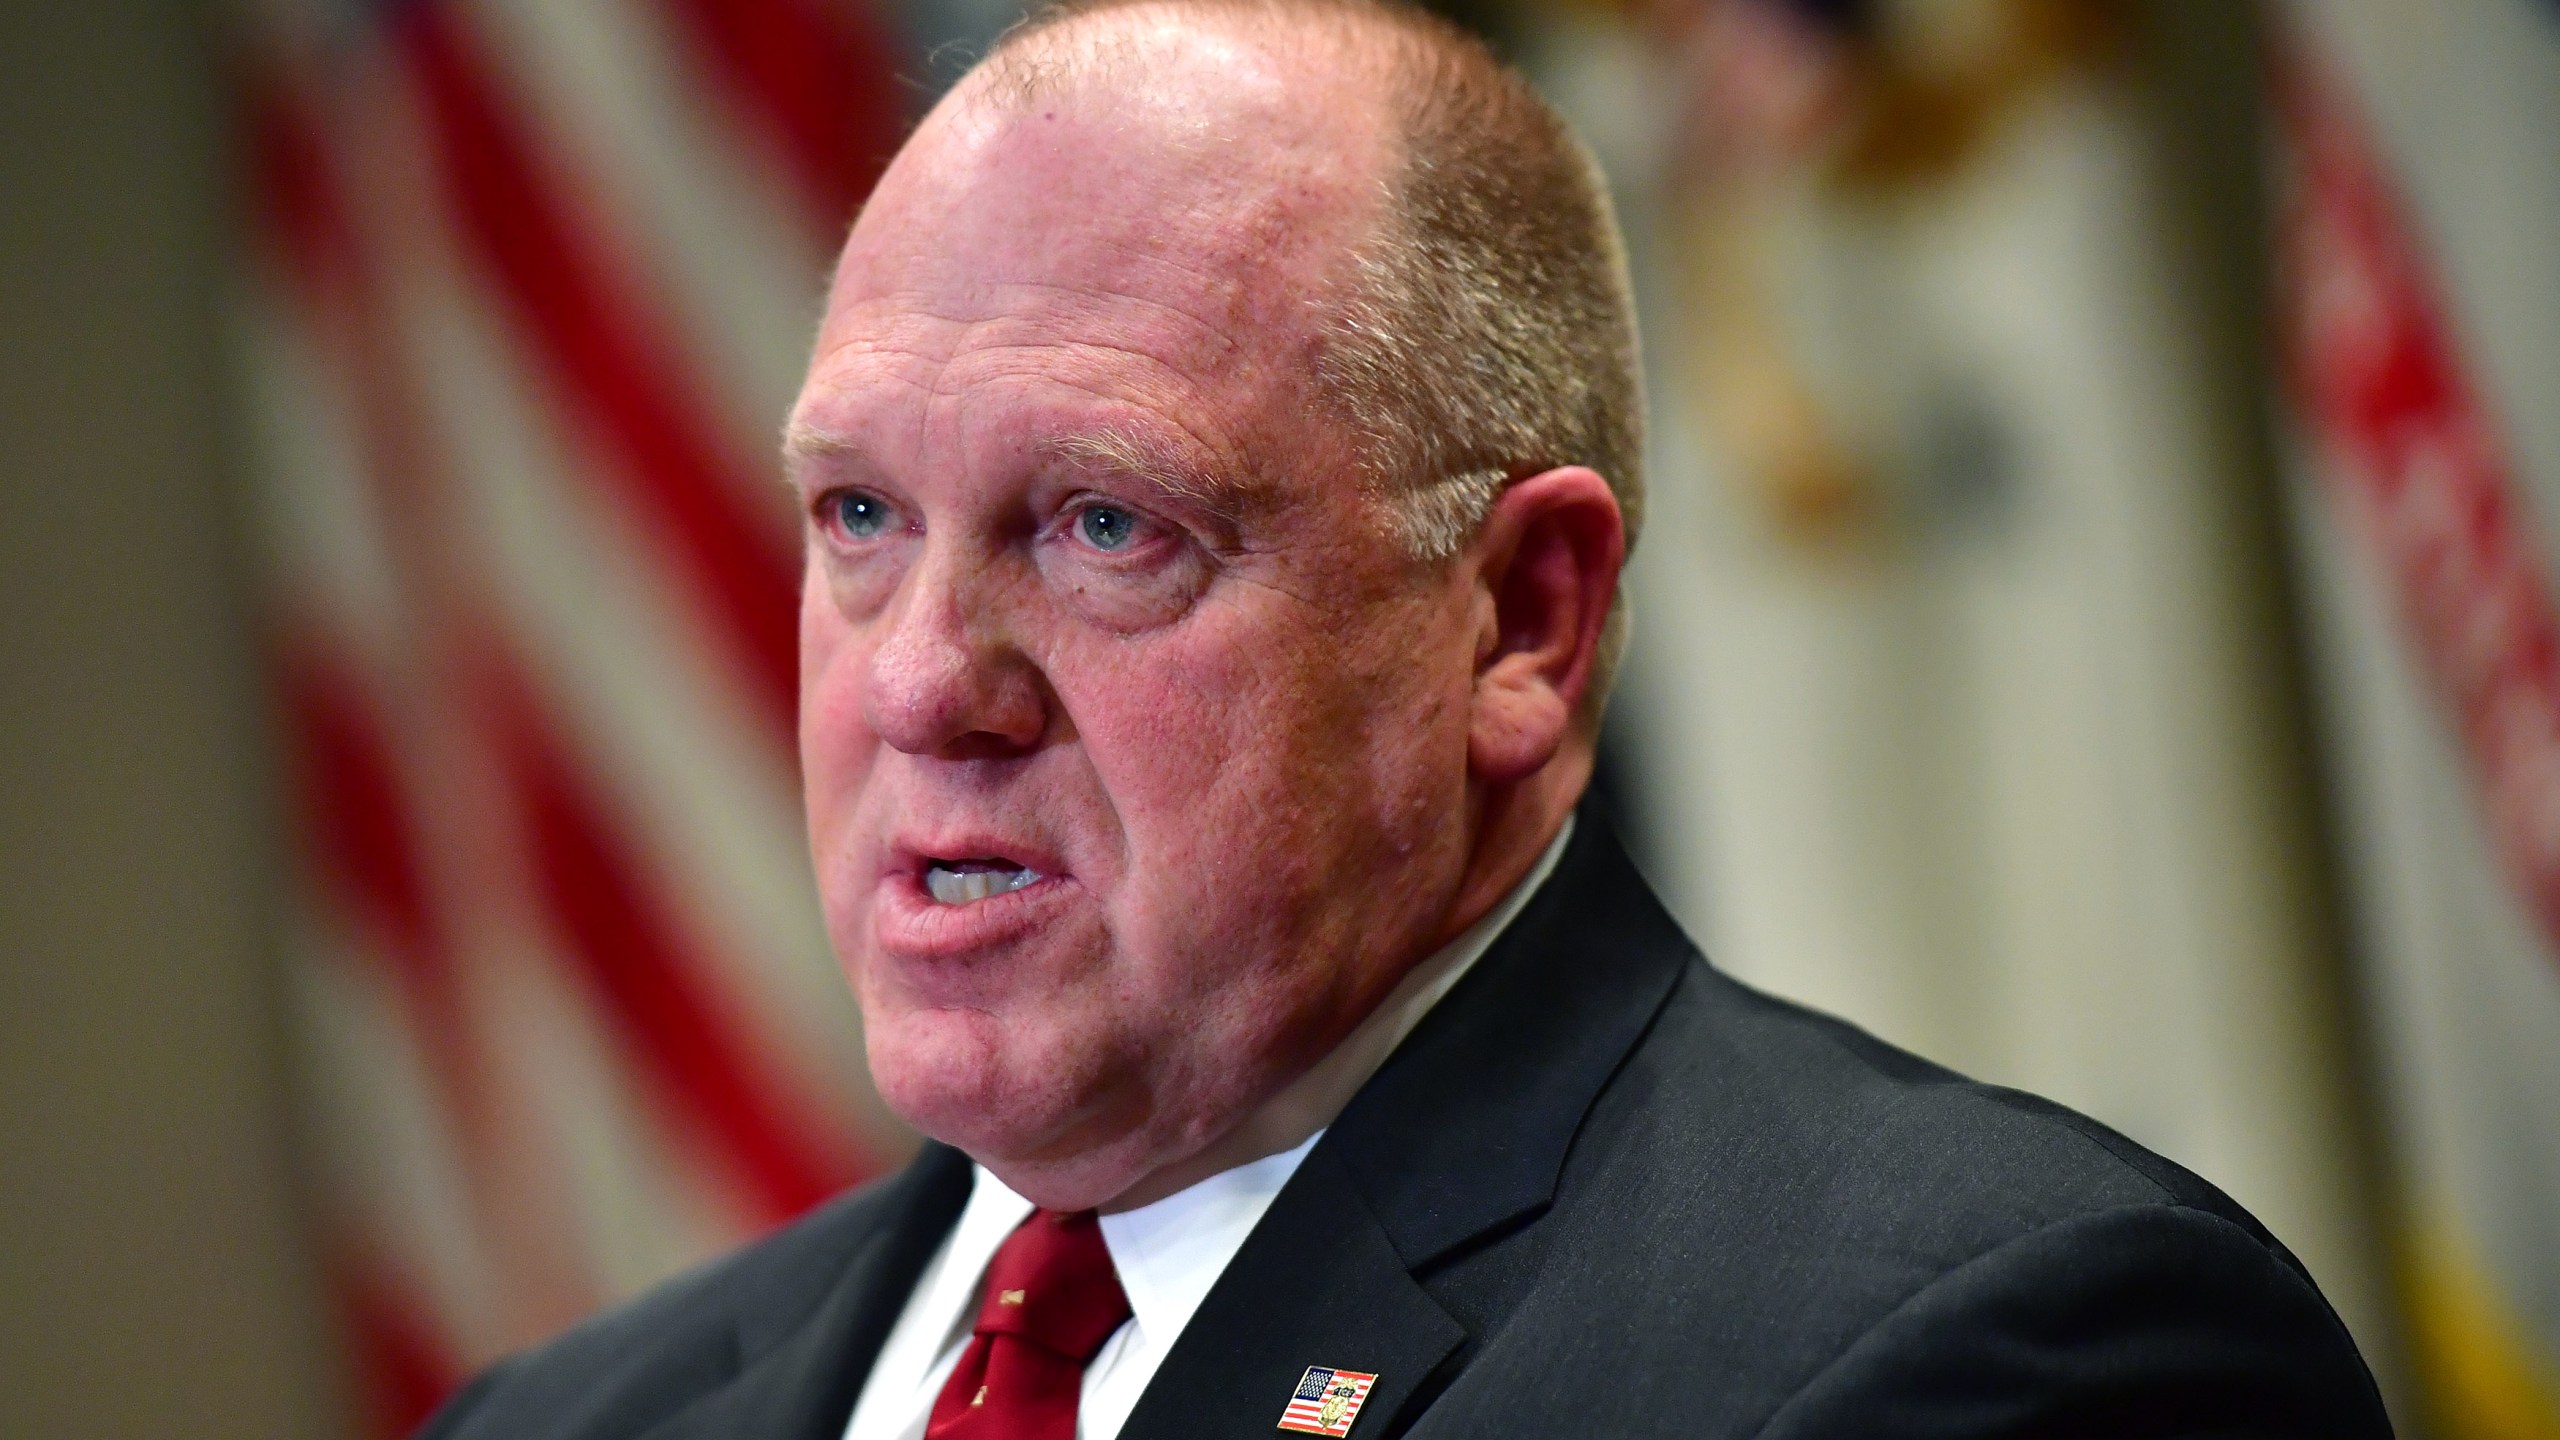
1327, 1401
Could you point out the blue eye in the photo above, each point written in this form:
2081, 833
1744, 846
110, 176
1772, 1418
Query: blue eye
864, 517
1106, 528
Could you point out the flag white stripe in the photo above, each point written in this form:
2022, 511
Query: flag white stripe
697, 207
638, 695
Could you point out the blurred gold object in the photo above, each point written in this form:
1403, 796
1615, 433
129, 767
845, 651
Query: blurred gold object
1936, 80
2482, 1379
1778, 440
1789, 109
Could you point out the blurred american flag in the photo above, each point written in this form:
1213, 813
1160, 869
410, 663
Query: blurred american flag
530, 286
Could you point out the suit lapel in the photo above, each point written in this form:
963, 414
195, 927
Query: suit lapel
1466, 1127
1317, 1283
801, 1372
1463, 1132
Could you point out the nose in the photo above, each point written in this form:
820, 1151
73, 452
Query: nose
945, 679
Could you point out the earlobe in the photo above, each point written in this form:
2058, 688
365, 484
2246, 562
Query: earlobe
1517, 729
1548, 558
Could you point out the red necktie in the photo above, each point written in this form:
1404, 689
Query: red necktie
1052, 1299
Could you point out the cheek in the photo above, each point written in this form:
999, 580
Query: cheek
836, 742
1258, 758
1163, 717
1365, 751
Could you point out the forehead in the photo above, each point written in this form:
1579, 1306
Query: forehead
1190, 207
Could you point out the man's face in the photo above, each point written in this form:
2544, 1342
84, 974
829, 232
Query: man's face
1135, 746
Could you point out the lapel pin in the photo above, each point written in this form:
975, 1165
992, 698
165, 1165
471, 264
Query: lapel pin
1327, 1401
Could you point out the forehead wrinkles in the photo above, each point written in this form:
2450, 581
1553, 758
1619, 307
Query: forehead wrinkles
935, 343
950, 365
923, 330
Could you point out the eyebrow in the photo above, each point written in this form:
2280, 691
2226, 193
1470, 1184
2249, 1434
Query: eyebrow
1119, 450
1140, 456
802, 442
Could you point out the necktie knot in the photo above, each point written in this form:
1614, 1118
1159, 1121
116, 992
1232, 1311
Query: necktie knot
1052, 1284
1051, 1301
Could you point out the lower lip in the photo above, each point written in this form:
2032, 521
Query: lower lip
906, 920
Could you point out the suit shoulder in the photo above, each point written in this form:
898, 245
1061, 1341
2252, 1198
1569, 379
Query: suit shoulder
1729, 1071
1767, 1202
1769, 1185
2144, 1319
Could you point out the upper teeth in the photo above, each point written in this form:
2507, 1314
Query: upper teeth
959, 887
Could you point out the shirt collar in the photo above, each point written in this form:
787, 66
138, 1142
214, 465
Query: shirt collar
1170, 1253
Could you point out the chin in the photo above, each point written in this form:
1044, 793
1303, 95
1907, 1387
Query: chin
1085, 1181
1037, 1114
941, 1071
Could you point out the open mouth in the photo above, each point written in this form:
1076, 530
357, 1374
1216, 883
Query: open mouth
965, 882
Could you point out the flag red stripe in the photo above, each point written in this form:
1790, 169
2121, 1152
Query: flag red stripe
306, 213
288, 173
356, 825
2416, 458
404, 1370
816, 80
617, 380
691, 1048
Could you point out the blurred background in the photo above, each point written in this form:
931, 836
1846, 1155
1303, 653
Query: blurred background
2094, 627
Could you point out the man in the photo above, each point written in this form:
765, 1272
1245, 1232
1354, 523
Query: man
1218, 454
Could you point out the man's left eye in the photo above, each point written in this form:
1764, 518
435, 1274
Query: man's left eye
1106, 527
861, 516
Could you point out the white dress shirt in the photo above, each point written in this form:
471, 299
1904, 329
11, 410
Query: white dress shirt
1169, 1253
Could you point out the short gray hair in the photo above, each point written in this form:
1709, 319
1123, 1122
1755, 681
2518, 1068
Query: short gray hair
1489, 330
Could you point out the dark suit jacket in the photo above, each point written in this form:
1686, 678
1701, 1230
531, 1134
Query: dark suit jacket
1602, 1190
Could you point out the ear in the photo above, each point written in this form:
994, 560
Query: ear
1546, 566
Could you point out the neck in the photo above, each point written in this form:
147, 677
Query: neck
1513, 826
1514, 841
